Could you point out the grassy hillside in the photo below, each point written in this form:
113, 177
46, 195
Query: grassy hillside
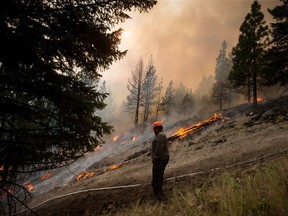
262, 190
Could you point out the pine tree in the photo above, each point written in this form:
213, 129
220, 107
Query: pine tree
149, 90
205, 86
188, 104
249, 52
51, 56
276, 70
168, 101
180, 93
220, 92
159, 95
134, 87
106, 113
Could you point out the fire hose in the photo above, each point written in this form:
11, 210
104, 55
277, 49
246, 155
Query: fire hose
272, 156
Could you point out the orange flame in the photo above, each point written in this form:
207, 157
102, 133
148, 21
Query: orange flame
134, 138
80, 176
30, 187
46, 176
115, 138
114, 166
259, 99
84, 175
183, 132
97, 148
3, 167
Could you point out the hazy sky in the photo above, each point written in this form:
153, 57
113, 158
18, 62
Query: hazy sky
184, 37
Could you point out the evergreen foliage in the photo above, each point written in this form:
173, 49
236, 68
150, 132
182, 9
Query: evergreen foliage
180, 93
221, 88
248, 55
51, 53
168, 101
188, 104
149, 90
159, 96
276, 70
143, 90
204, 87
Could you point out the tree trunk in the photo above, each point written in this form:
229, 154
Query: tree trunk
137, 111
254, 74
221, 95
249, 89
230, 96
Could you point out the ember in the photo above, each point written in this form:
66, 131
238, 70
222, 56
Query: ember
46, 176
115, 138
134, 138
97, 148
84, 175
259, 99
9, 168
30, 187
114, 166
183, 132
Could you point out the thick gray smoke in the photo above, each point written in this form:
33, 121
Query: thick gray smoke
184, 37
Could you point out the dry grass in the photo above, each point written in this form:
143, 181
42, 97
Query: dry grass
259, 191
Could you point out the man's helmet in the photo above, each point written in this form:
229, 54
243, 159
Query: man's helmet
157, 124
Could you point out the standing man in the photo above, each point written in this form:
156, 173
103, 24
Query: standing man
160, 158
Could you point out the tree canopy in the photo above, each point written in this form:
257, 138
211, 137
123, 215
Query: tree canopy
143, 89
276, 70
51, 56
249, 52
150, 90
135, 87
168, 100
221, 87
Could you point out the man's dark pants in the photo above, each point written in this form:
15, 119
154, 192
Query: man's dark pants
157, 177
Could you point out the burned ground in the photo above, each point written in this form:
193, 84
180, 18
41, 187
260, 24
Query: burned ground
247, 139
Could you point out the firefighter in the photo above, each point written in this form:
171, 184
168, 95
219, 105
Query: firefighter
160, 158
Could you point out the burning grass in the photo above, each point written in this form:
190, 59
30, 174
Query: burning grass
87, 174
183, 132
258, 191
84, 175
30, 187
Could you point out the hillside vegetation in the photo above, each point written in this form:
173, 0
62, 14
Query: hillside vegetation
261, 190
237, 167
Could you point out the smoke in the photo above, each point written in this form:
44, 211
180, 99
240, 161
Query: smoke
91, 162
184, 37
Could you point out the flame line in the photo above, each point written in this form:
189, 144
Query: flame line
196, 126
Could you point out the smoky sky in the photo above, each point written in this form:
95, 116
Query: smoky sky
183, 36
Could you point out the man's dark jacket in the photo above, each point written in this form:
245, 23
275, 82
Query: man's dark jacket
160, 147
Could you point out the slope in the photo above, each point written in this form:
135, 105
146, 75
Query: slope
245, 140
